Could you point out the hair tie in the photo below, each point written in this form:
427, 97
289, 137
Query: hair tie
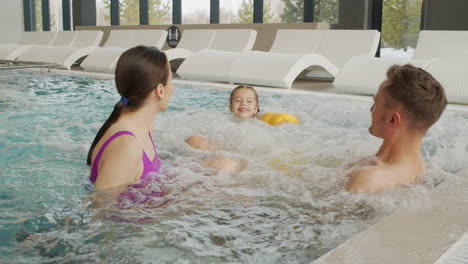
124, 100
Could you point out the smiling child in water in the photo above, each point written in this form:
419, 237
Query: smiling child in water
243, 103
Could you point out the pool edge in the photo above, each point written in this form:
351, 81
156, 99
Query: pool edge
417, 236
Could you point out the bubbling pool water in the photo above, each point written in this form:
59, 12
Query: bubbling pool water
287, 206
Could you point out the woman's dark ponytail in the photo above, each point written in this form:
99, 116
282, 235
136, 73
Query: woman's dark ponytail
114, 116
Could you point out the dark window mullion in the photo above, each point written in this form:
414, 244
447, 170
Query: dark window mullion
66, 18
177, 11
45, 15
115, 12
144, 12
309, 10
214, 11
258, 11
29, 11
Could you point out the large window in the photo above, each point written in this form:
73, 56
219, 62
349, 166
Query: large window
326, 11
244, 13
228, 11
291, 11
129, 11
38, 13
103, 12
272, 11
400, 27
56, 17
160, 12
196, 12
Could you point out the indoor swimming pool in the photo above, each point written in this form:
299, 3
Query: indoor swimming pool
288, 206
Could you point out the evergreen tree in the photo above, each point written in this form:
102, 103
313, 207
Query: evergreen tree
293, 11
268, 15
325, 11
400, 25
160, 12
106, 4
245, 12
129, 12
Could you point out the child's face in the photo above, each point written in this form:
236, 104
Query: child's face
244, 104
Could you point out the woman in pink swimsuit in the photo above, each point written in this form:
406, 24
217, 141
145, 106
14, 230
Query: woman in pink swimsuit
123, 151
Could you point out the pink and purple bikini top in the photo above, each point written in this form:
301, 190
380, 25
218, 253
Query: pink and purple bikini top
148, 165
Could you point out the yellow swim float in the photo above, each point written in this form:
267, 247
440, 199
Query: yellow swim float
279, 118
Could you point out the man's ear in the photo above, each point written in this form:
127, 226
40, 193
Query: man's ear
395, 119
159, 90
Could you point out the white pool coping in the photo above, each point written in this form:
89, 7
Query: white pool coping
416, 236
457, 253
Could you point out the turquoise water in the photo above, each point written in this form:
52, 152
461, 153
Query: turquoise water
288, 206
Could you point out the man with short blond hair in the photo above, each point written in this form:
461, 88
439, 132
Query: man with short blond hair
406, 105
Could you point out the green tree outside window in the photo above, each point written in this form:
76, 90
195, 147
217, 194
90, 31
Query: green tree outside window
325, 11
400, 23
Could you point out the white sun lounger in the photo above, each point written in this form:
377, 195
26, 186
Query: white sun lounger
239, 40
287, 42
213, 64
363, 75
280, 69
191, 41
452, 73
444, 54
39, 53
85, 42
220, 61
105, 59
63, 52
11, 51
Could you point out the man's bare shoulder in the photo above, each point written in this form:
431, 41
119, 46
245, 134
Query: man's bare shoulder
370, 175
379, 177
365, 179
